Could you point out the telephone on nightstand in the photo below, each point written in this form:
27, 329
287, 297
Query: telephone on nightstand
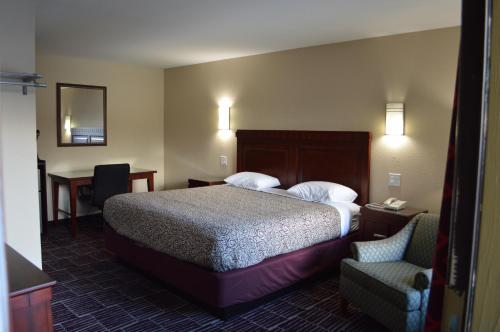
391, 203
394, 204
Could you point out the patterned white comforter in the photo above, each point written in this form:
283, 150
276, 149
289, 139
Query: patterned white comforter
221, 227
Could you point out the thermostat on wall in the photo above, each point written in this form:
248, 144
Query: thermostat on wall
394, 179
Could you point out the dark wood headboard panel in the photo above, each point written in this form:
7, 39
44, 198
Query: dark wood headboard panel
297, 156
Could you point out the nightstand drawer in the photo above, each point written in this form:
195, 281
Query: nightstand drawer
377, 224
380, 230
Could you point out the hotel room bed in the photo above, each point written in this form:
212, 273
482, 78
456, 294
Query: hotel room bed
223, 227
231, 248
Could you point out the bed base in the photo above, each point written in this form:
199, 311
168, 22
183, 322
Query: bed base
226, 294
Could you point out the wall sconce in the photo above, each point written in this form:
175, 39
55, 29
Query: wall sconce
224, 114
67, 123
394, 119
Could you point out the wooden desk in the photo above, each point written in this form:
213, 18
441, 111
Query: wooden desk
74, 179
30, 294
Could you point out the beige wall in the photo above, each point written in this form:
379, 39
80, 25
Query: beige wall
135, 118
340, 86
18, 167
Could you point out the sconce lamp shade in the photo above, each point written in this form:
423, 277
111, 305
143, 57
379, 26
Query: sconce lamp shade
67, 122
224, 115
394, 119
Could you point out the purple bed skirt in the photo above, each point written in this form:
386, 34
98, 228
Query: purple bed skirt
221, 290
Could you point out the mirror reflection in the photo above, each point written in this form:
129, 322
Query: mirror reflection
81, 114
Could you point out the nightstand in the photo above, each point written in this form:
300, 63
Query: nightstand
204, 182
376, 224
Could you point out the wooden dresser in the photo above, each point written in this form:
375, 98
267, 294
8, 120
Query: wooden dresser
30, 294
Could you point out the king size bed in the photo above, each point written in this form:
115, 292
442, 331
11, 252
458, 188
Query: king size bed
229, 247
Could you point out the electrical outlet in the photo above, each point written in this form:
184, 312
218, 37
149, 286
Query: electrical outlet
223, 161
394, 180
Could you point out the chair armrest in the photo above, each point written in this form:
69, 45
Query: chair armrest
423, 280
386, 250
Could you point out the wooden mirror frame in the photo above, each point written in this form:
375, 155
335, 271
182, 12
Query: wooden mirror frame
59, 86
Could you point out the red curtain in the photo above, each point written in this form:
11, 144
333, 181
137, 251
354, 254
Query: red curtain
460, 188
440, 262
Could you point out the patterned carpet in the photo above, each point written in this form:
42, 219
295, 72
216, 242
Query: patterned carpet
95, 292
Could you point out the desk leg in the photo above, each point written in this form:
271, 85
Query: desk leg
130, 185
72, 202
151, 182
55, 202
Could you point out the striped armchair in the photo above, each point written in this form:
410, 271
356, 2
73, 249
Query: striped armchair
390, 279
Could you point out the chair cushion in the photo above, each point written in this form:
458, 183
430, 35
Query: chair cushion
423, 242
391, 281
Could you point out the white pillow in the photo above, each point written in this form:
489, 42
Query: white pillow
252, 180
321, 191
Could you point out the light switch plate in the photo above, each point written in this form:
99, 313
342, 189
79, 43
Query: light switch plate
223, 161
394, 180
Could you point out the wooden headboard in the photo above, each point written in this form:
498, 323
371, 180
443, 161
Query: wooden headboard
297, 156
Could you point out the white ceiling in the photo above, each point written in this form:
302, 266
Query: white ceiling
170, 33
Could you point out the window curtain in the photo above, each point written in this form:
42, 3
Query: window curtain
452, 258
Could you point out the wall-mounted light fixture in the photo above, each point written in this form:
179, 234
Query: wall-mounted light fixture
224, 114
67, 123
394, 119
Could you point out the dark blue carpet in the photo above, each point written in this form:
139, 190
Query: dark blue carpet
97, 293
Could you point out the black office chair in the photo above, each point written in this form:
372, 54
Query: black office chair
109, 180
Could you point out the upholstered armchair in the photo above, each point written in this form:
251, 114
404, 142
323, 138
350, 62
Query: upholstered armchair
390, 279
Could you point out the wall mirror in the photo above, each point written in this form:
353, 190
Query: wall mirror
81, 115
